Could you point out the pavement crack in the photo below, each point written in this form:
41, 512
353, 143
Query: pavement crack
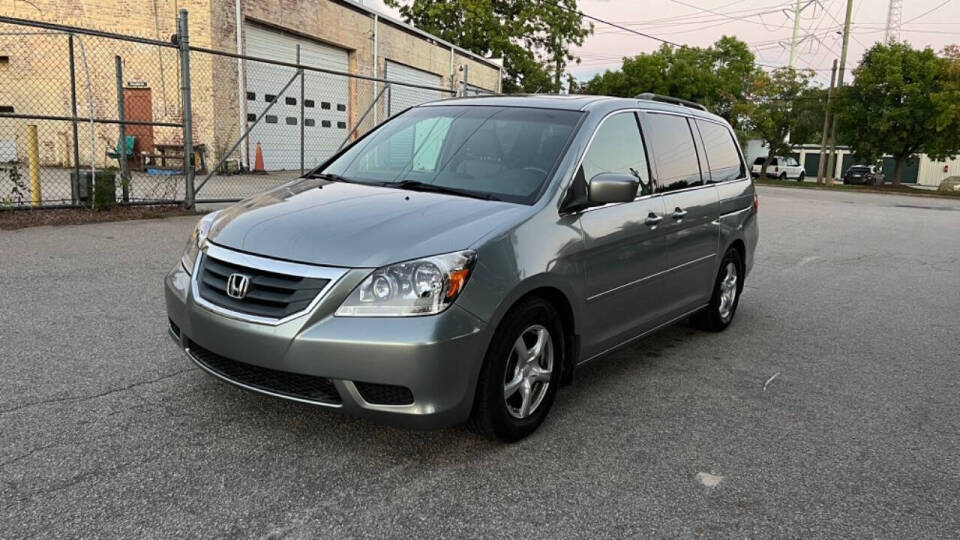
94, 396
27, 455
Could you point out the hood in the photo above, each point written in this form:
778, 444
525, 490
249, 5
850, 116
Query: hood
352, 225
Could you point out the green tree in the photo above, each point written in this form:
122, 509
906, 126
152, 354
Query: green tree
810, 107
902, 101
772, 109
717, 76
533, 37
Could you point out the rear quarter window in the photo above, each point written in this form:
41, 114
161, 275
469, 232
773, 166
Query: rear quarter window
722, 155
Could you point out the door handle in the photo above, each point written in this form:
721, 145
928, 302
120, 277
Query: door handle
652, 219
678, 213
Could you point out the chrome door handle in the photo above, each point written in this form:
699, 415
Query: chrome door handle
678, 213
653, 219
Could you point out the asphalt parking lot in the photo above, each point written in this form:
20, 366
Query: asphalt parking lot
107, 430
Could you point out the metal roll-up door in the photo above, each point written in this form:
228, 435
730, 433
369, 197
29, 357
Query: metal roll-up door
472, 90
326, 98
401, 96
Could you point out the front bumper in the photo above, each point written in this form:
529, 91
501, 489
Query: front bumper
438, 358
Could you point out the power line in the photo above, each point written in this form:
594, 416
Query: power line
615, 25
729, 17
929, 11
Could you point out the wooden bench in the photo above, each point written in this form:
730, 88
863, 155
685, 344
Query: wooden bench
173, 152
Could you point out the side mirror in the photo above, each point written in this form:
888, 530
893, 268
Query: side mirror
612, 188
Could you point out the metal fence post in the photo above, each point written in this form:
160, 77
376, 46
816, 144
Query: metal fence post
183, 41
301, 109
77, 181
122, 131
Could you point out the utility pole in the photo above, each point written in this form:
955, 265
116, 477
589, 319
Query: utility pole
894, 16
826, 124
831, 168
796, 40
796, 33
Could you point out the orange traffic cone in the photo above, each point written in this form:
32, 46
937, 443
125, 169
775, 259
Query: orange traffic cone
258, 162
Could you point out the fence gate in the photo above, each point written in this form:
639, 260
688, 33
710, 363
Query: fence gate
92, 118
88, 118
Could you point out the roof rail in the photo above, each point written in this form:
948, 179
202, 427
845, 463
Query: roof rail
667, 99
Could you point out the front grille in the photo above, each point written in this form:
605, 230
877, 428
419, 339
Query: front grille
384, 394
295, 385
270, 294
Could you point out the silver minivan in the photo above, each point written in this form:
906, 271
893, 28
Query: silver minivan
460, 261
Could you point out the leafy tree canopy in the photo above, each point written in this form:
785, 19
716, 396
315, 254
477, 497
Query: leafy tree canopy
773, 109
902, 101
717, 76
533, 37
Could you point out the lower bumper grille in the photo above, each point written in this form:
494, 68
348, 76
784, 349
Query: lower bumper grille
384, 394
285, 384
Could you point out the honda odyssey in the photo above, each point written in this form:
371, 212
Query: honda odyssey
463, 259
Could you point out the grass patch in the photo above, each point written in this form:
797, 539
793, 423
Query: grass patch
885, 188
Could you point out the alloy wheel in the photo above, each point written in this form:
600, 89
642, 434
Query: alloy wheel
528, 371
728, 291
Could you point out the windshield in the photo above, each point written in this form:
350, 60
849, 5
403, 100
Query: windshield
505, 153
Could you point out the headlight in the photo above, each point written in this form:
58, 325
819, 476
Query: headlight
420, 287
197, 238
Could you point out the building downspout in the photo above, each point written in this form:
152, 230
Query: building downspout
241, 95
376, 69
453, 74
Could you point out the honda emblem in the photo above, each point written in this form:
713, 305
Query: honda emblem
237, 286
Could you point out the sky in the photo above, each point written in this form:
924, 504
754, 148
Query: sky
762, 24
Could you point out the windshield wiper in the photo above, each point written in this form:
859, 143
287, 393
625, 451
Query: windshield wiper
414, 185
331, 176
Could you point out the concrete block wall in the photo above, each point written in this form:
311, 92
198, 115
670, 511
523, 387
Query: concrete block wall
36, 79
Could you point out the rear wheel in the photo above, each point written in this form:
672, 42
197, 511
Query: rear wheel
726, 295
521, 372
800, 178
783, 175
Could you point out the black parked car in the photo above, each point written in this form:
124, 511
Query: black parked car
863, 174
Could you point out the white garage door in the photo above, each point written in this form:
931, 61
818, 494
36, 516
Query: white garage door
402, 97
325, 99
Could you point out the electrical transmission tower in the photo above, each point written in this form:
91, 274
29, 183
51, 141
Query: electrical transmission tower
894, 15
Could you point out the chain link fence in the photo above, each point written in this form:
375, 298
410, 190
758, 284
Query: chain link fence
64, 106
90, 118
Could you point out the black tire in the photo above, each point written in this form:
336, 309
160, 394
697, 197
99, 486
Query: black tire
783, 176
711, 318
490, 416
800, 178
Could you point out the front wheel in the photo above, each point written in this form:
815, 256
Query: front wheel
726, 295
520, 373
800, 178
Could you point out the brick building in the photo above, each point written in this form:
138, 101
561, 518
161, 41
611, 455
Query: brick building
339, 35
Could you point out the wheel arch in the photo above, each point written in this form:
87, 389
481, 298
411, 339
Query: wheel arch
560, 299
741, 248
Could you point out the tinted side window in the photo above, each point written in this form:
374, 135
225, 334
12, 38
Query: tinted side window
721, 151
672, 145
618, 147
